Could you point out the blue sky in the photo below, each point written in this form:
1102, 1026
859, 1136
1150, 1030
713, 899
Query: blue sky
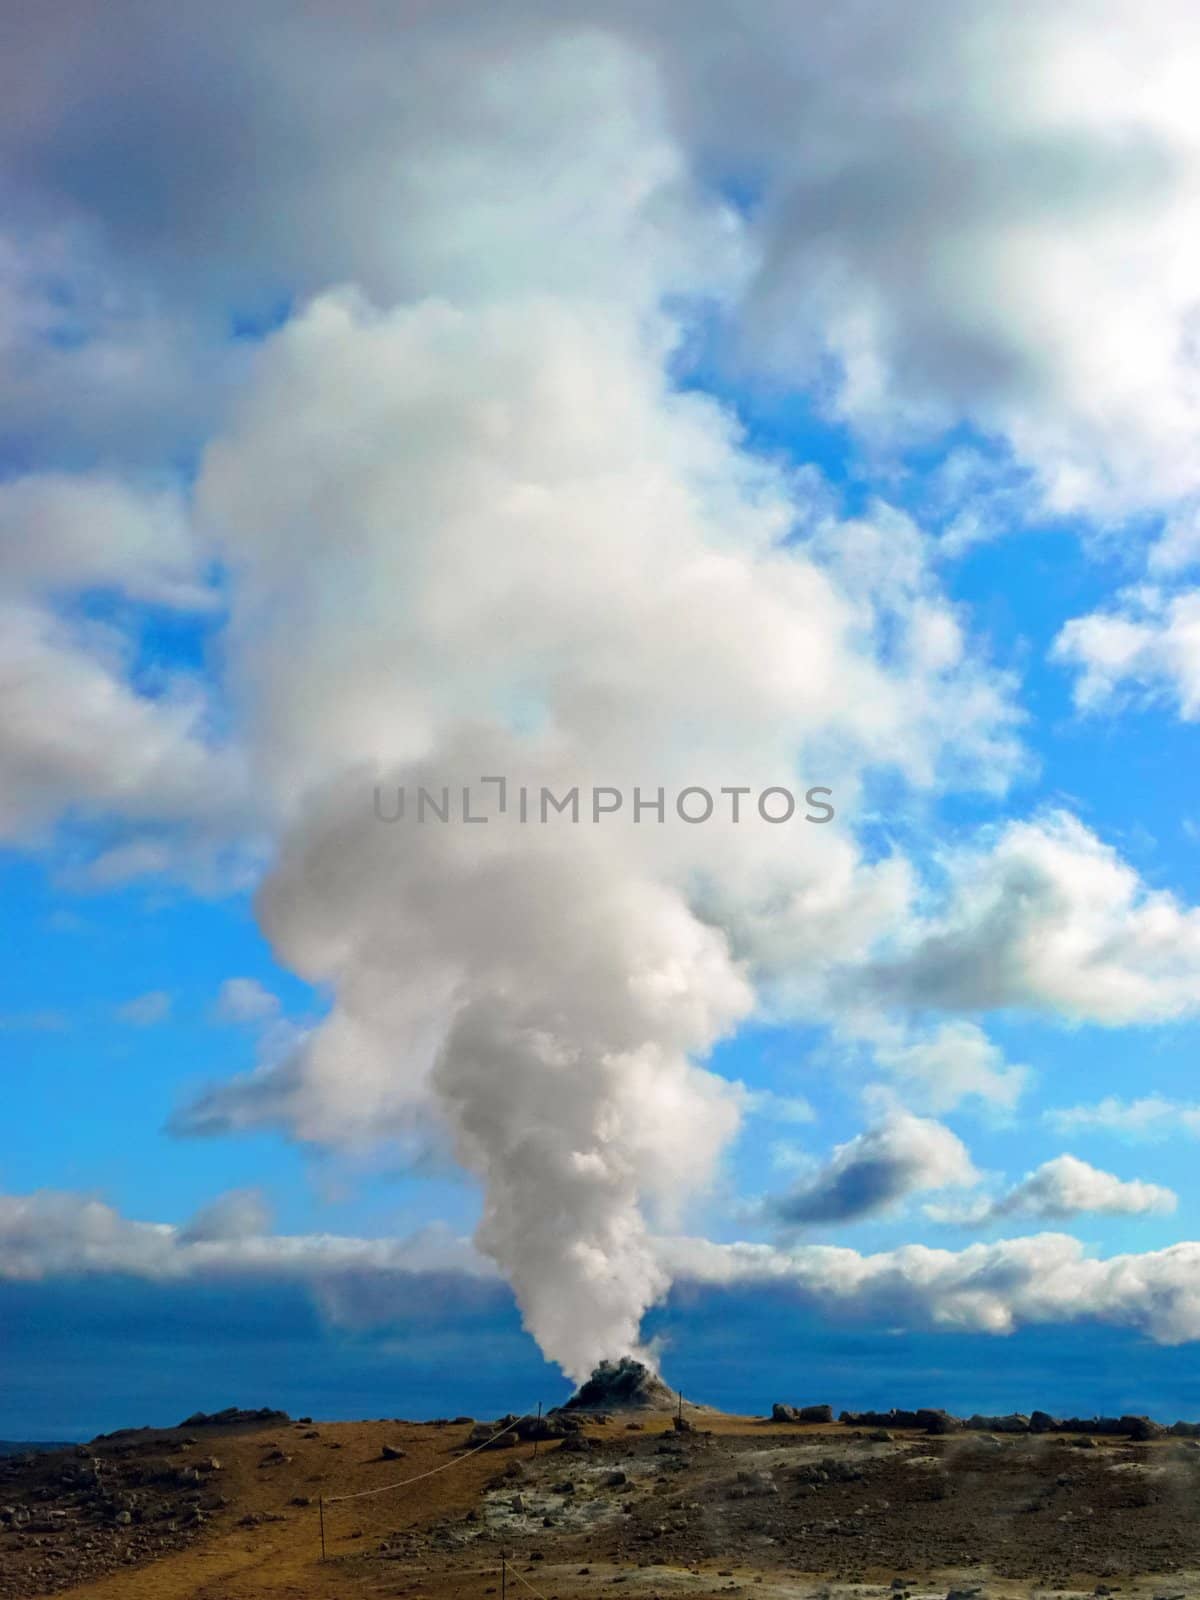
556, 402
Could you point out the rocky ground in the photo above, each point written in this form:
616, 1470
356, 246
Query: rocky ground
67, 1516
721, 1505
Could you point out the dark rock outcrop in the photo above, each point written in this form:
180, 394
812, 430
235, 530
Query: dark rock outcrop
1014, 1422
783, 1413
625, 1385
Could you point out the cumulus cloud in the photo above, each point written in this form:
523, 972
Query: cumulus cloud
55, 1233
238, 1214
1046, 917
996, 1287
960, 211
974, 212
874, 1171
78, 736
66, 532
1062, 1188
1148, 647
947, 1065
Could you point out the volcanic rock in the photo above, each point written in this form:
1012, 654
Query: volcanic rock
625, 1385
782, 1413
498, 1435
1014, 1422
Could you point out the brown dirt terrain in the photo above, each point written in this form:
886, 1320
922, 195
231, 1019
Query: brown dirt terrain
736, 1506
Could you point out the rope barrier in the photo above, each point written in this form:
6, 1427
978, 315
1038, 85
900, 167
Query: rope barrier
525, 1581
386, 1488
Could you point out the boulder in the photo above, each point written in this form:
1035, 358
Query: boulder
1142, 1428
1014, 1422
498, 1435
554, 1425
783, 1413
576, 1444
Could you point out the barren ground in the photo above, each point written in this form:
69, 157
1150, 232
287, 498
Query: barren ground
739, 1506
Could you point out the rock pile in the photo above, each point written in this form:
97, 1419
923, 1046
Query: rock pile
1140, 1429
625, 1385
508, 1430
782, 1413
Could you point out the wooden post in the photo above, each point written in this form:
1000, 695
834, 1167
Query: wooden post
539, 1429
321, 1504
681, 1405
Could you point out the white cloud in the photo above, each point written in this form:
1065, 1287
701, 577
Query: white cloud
766, 1103
136, 858
238, 1214
976, 212
951, 1063
1046, 917
1178, 547
245, 1000
996, 1287
1062, 1188
876, 1170
63, 532
55, 1233
961, 211
145, 1010
1148, 646
1152, 1116
78, 737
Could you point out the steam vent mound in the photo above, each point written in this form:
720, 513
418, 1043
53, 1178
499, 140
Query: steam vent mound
625, 1385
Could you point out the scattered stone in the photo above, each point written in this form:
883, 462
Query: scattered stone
576, 1444
498, 1435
